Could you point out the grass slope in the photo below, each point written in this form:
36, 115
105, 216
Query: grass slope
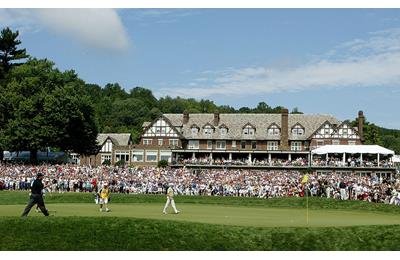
82, 233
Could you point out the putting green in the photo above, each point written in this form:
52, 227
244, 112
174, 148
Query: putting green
214, 214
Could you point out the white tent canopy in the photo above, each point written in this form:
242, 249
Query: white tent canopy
352, 149
396, 159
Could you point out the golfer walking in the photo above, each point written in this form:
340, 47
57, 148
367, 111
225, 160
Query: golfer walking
36, 196
170, 200
104, 197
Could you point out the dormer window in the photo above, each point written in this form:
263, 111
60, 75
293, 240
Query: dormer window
223, 130
195, 130
248, 130
274, 130
297, 130
208, 130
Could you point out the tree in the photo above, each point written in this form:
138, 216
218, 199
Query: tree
371, 134
295, 110
162, 164
145, 95
48, 108
114, 91
262, 107
9, 52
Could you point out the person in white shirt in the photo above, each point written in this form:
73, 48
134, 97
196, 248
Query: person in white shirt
394, 196
170, 200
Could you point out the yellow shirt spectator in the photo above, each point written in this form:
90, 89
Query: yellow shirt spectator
105, 193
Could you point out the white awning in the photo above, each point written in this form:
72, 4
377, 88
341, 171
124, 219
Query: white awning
371, 149
396, 158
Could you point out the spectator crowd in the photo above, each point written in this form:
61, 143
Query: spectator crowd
318, 161
208, 182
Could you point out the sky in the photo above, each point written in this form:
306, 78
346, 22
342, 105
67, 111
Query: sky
322, 61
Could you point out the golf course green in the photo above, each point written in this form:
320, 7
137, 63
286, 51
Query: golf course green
223, 215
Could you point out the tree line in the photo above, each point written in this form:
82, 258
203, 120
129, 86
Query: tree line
43, 107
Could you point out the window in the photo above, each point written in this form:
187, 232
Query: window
147, 141
208, 130
122, 156
165, 157
344, 131
233, 144
274, 130
105, 157
351, 142
193, 144
306, 145
272, 145
209, 144
137, 156
151, 158
295, 146
335, 142
160, 142
253, 144
320, 143
221, 145
195, 130
173, 142
297, 130
243, 144
248, 130
223, 131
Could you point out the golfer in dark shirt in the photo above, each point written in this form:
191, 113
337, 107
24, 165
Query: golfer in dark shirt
36, 196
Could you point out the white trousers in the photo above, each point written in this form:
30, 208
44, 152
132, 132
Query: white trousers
172, 202
343, 194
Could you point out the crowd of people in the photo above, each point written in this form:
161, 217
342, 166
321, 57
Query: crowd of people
210, 182
318, 161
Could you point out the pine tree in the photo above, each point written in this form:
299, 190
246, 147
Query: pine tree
9, 52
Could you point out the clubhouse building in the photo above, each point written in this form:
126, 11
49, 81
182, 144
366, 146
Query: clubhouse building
239, 140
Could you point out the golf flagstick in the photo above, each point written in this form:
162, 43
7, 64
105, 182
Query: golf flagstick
307, 205
305, 181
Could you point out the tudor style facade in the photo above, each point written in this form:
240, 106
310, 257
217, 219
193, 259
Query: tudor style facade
176, 137
114, 147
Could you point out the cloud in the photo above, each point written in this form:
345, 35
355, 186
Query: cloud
98, 28
374, 61
158, 16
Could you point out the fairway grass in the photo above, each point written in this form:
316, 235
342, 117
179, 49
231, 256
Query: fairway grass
222, 215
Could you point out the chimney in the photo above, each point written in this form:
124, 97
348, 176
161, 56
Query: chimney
216, 118
361, 119
185, 117
284, 129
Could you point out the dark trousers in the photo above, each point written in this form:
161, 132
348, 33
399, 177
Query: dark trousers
35, 199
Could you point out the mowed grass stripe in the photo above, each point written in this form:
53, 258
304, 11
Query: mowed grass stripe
222, 215
113, 233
